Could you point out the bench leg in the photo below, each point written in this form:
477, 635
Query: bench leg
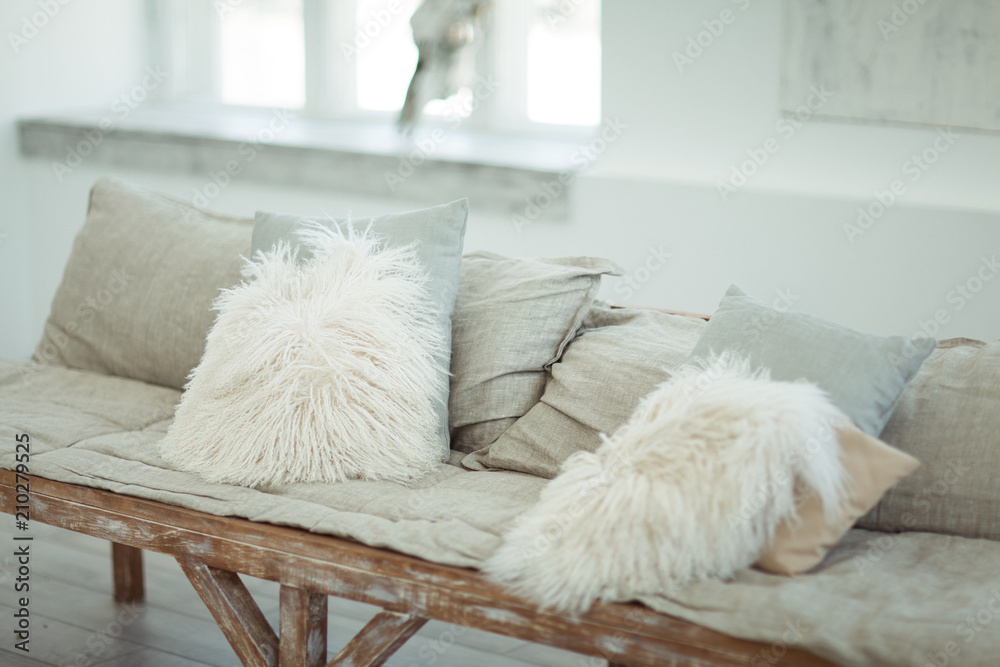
302, 631
236, 613
378, 640
126, 563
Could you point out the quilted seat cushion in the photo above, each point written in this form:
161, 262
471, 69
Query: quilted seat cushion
59, 407
79, 425
104, 432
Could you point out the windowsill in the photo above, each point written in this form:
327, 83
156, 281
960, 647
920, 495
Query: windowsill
493, 171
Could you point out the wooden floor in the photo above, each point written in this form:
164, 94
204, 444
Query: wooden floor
75, 622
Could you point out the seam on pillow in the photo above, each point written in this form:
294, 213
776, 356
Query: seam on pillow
588, 301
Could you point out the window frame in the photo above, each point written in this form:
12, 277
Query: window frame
184, 35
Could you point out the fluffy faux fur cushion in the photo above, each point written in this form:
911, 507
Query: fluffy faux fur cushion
692, 486
319, 372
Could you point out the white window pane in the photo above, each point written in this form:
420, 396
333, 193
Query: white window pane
564, 62
262, 53
386, 55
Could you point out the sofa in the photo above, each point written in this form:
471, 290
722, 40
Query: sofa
915, 582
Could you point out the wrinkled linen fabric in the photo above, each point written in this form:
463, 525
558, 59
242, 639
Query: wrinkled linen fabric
878, 599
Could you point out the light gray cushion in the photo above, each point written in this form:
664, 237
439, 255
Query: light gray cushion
513, 318
949, 418
863, 374
136, 295
438, 234
619, 356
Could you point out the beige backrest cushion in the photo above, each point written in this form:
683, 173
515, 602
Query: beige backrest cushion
136, 295
620, 356
949, 418
872, 467
512, 319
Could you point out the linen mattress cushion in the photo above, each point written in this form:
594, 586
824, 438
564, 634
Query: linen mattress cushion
136, 295
620, 355
437, 234
949, 418
513, 318
101, 431
863, 374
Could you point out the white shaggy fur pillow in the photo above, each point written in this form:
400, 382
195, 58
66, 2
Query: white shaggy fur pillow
692, 486
316, 372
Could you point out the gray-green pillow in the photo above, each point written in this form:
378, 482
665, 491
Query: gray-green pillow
863, 374
438, 234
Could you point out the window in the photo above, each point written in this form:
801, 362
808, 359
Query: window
353, 59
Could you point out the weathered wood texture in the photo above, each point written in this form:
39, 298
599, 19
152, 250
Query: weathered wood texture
622, 633
302, 635
378, 640
235, 611
126, 564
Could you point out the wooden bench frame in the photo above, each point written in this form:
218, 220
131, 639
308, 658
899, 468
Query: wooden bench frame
214, 550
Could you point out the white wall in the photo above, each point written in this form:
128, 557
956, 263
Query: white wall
78, 58
694, 125
653, 188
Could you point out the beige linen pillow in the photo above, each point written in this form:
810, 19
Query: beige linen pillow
512, 319
949, 418
136, 295
872, 467
620, 356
